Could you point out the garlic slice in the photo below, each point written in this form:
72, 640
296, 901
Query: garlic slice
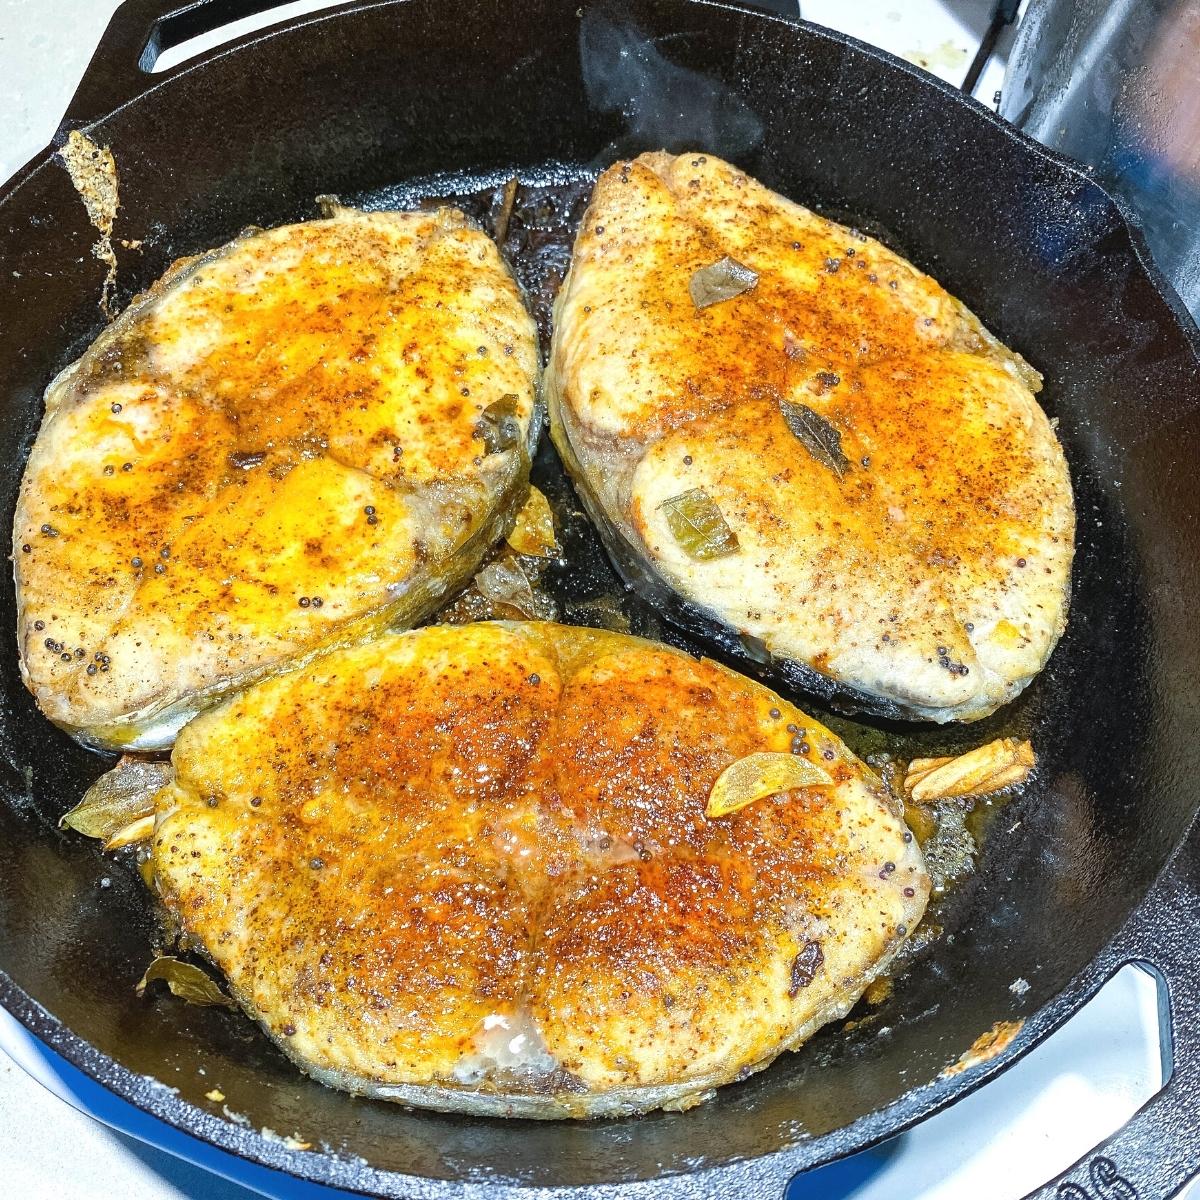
985, 769
760, 775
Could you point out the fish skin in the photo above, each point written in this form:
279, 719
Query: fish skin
926, 577
258, 394
468, 868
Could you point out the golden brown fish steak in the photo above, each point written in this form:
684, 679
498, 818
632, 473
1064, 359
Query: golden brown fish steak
790, 430
287, 444
470, 868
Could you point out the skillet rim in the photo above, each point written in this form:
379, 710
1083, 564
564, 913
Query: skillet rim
328, 1167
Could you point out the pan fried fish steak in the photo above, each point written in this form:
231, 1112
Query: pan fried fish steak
784, 425
470, 868
287, 444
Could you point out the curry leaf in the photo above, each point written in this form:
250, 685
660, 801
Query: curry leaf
119, 797
498, 425
503, 582
185, 980
723, 280
805, 966
698, 525
533, 532
817, 436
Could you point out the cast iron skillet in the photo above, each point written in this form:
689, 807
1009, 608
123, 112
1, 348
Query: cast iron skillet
1076, 879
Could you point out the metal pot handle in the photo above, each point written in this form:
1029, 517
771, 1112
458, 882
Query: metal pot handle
1157, 1151
140, 30
121, 69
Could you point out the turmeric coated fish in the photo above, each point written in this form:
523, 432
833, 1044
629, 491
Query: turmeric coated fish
472, 868
805, 449
285, 445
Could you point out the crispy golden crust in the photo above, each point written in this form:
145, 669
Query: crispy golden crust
470, 867
934, 573
292, 416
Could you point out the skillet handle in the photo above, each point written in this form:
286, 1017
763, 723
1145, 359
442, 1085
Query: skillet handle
140, 30
1158, 1151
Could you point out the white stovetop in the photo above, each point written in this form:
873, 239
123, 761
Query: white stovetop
1025, 1127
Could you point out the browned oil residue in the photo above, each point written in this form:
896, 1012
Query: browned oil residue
93, 171
985, 1047
878, 991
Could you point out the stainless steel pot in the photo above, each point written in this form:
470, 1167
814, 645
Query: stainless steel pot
1116, 84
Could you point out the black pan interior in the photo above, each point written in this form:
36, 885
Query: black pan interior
368, 98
